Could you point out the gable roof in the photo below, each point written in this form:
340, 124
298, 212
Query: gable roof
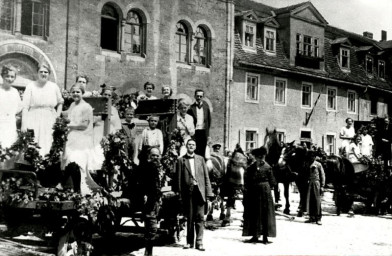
385, 44
294, 9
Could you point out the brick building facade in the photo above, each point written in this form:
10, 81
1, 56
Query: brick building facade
296, 73
124, 43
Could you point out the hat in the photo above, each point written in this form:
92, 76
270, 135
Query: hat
259, 152
216, 146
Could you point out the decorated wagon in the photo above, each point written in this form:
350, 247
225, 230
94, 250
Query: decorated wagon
64, 219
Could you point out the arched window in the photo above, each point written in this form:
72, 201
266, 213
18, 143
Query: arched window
135, 31
182, 42
110, 23
201, 47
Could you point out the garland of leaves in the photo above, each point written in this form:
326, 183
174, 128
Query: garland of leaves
116, 159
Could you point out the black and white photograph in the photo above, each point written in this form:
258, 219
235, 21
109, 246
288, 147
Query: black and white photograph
195, 127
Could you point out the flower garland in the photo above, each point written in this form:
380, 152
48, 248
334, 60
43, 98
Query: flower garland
116, 159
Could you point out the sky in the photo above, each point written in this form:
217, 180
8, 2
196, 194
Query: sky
352, 15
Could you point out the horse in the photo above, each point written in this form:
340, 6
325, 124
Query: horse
282, 173
296, 160
230, 183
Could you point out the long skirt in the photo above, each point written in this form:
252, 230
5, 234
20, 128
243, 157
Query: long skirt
314, 201
259, 212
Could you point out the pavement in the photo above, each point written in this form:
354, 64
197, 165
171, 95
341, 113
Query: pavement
339, 235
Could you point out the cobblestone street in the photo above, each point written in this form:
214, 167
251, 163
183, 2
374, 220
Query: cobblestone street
339, 235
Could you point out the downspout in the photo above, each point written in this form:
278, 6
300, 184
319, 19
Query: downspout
229, 71
66, 45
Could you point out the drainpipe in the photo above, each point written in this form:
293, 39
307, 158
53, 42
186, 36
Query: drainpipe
229, 70
66, 45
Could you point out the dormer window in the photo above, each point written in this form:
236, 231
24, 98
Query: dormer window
316, 47
369, 65
249, 36
381, 69
344, 58
307, 46
270, 39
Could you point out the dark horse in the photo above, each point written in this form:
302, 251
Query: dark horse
282, 174
296, 160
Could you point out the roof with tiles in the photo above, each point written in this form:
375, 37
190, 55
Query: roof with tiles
333, 35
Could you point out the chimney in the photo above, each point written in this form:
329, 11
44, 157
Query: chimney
383, 35
368, 34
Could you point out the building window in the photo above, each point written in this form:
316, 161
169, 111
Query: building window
381, 69
330, 145
306, 137
331, 98
280, 91
306, 95
182, 43
281, 137
269, 40
351, 101
316, 47
110, 24
35, 18
369, 65
307, 46
6, 14
252, 88
299, 44
344, 58
201, 48
250, 140
249, 37
134, 41
373, 106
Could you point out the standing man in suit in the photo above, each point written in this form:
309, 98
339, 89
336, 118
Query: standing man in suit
193, 186
200, 111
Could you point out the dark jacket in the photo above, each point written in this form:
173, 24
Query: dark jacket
184, 180
207, 115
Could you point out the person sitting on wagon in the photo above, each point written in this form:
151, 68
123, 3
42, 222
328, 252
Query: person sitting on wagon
367, 143
151, 137
148, 89
346, 134
167, 92
354, 151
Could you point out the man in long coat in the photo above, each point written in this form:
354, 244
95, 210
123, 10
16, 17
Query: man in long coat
194, 187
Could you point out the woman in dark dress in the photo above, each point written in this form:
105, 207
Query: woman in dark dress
259, 209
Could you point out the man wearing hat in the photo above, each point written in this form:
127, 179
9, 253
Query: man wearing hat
216, 148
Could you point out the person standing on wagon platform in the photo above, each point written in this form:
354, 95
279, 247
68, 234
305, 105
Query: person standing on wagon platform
200, 111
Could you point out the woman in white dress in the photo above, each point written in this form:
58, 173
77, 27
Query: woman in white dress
354, 150
115, 125
347, 133
42, 104
10, 105
80, 146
